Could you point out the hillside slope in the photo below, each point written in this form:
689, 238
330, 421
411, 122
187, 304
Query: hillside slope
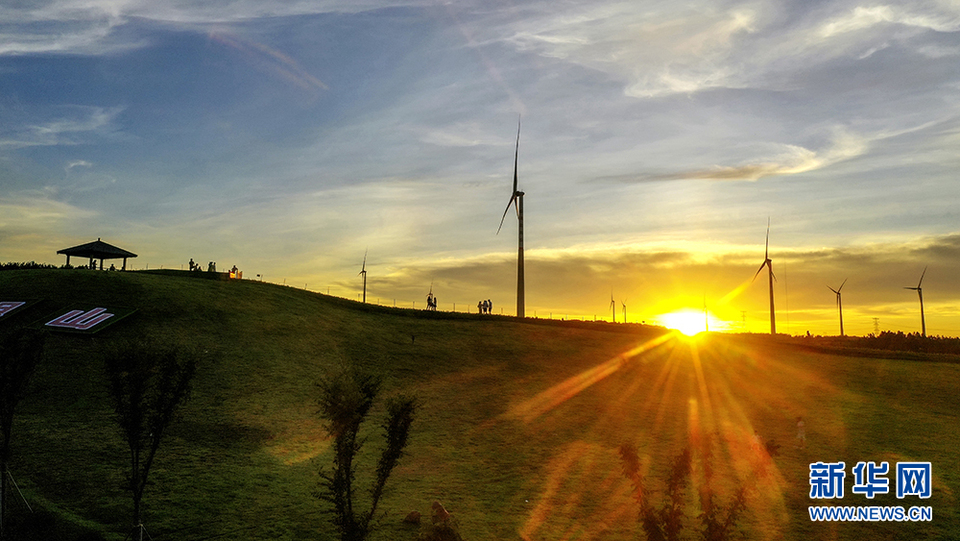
518, 430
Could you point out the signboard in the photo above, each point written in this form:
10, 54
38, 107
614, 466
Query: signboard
10, 308
86, 319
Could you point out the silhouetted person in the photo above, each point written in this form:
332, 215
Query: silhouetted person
489, 306
192, 264
480, 307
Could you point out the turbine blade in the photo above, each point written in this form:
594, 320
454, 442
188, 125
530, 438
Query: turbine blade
841, 285
770, 266
512, 199
834, 290
516, 157
921, 277
760, 269
766, 247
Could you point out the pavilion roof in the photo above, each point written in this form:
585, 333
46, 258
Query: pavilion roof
97, 250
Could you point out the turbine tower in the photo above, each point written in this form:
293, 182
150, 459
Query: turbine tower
767, 262
363, 272
613, 307
839, 304
919, 290
516, 198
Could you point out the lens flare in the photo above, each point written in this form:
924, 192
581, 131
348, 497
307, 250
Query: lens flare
687, 321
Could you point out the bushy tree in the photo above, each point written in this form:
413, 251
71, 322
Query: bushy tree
717, 521
345, 401
20, 353
148, 382
662, 524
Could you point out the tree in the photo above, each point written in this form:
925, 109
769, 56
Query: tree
345, 401
20, 353
148, 382
717, 522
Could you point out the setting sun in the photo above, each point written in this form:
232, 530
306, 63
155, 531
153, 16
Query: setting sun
687, 321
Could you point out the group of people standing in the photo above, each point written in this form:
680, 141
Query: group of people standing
431, 302
485, 307
211, 267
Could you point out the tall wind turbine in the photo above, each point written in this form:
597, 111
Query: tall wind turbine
516, 198
624, 303
613, 307
839, 304
363, 272
919, 290
767, 262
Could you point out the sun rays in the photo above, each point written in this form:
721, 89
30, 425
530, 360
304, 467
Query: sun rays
558, 394
665, 394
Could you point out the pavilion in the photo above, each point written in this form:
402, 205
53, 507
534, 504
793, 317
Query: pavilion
97, 250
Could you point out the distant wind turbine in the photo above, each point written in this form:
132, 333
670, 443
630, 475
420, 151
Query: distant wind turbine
613, 307
363, 272
839, 304
516, 198
919, 290
767, 262
624, 303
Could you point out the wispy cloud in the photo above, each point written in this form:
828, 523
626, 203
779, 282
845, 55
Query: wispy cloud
945, 19
31, 222
90, 26
775, 160
72, 125
77, 163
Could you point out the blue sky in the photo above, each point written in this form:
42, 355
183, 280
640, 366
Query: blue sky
657, 139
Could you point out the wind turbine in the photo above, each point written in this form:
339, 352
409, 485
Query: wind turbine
516, 198
839, 304
613, 307
624, 303
363, 272
919, 290
767, 262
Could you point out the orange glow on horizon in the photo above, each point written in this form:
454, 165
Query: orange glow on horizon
691, 322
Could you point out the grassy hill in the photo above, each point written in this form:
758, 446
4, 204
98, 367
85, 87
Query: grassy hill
519, 426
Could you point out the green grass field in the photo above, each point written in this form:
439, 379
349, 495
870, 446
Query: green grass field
518, 430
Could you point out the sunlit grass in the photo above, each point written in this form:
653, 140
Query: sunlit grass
518, 432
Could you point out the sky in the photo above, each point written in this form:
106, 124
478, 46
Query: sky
657, 140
